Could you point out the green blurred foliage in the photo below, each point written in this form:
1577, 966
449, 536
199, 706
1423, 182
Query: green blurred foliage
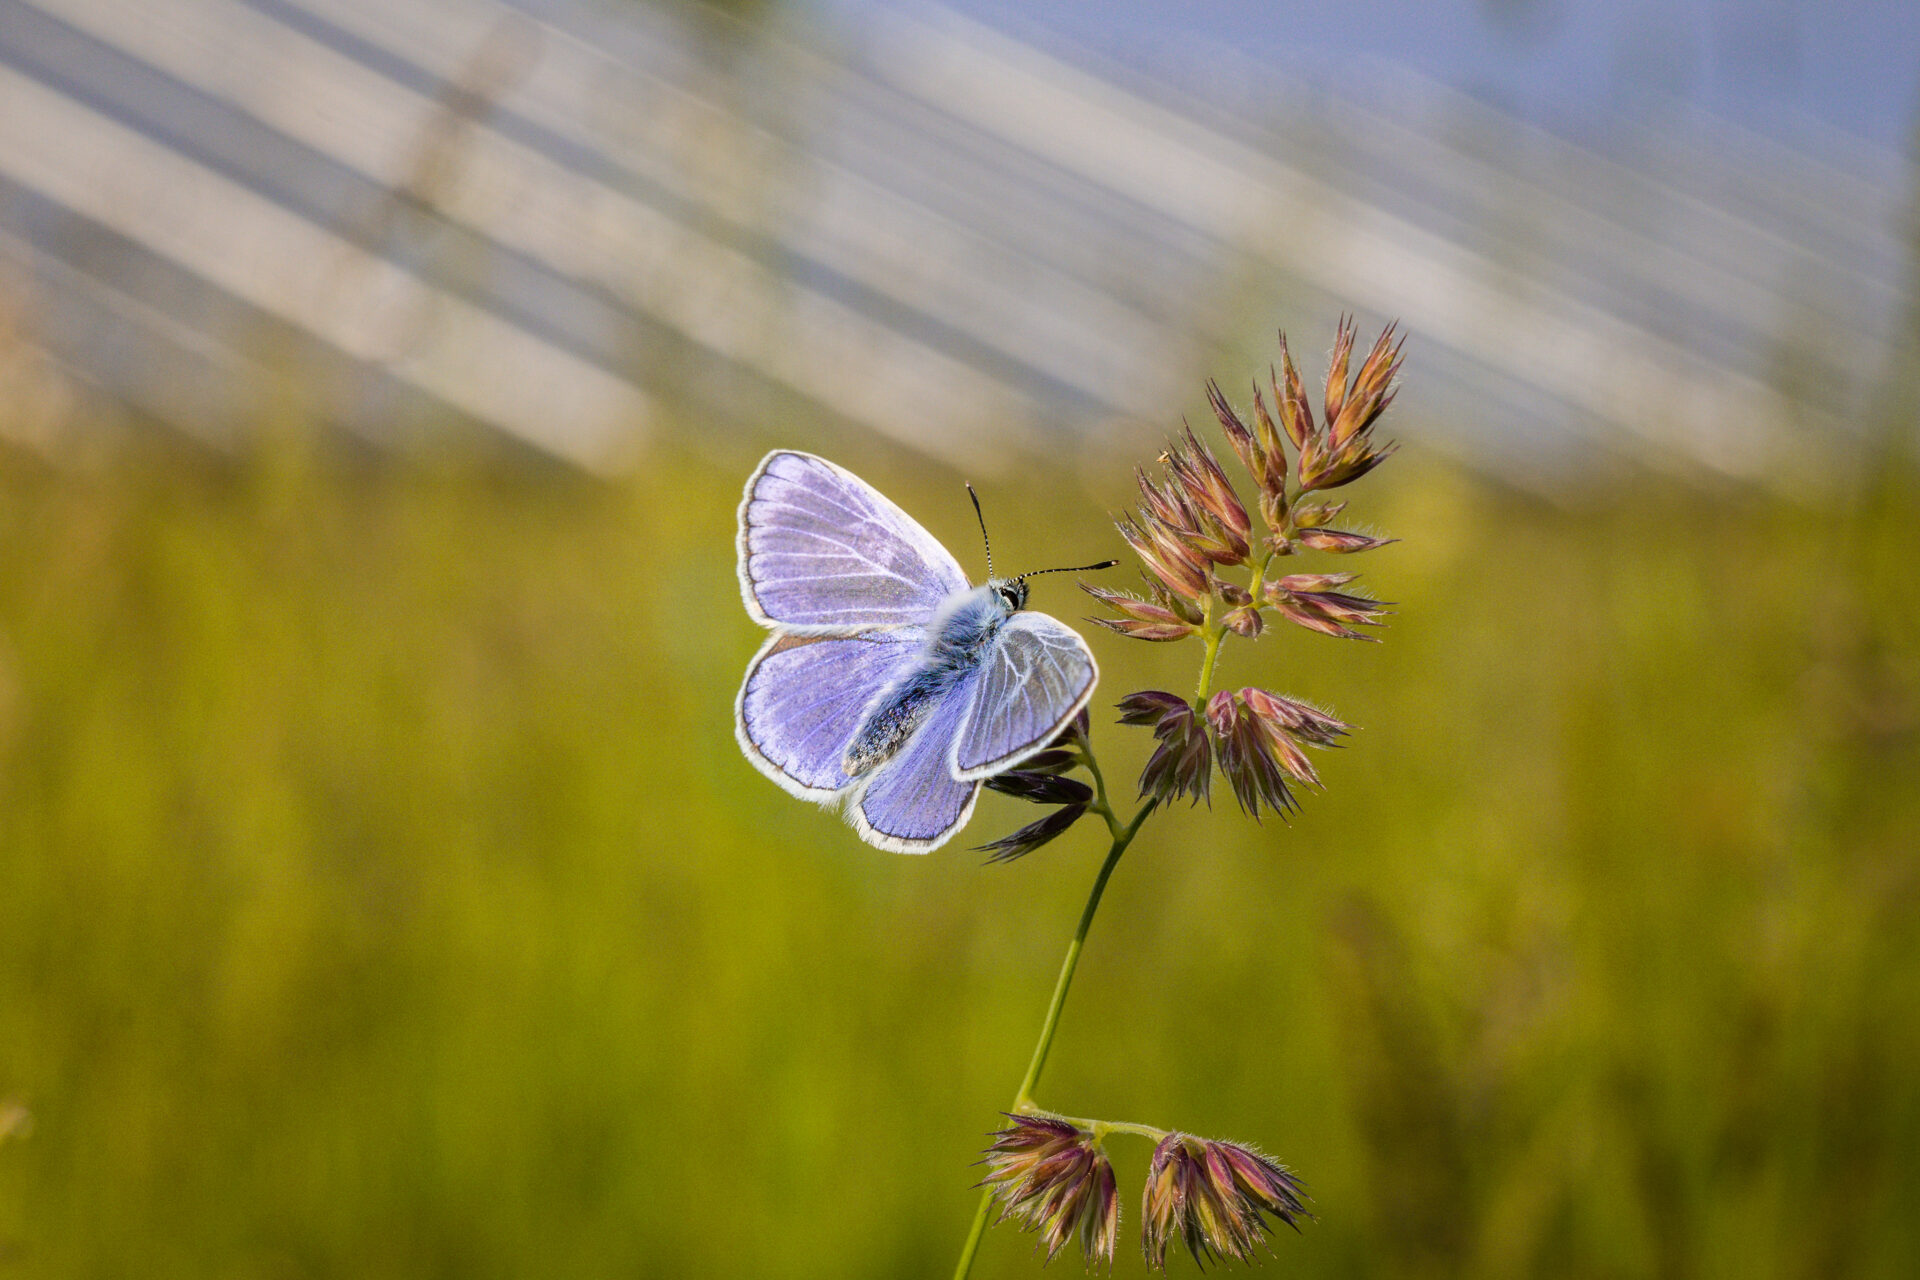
385, 894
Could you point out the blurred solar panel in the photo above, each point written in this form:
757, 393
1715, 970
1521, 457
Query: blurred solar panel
550, 216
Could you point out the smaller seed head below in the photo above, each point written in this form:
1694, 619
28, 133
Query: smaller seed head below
1051, 1177
1215, 1198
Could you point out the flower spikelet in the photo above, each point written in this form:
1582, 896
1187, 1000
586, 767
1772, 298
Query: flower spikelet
1259, 454
1299, 720
1270, 443
1051, 1177
1179, 569
1182, 763
1039, 780
1019, 844
1260, 741
1251, 754
1214, 1198
1141, 619
1336, 397
1189, 520
1296, 415
1343, 449
1305, 599
1244, 621
1192, 466
1372, 390
1339, 541
1193, 512
1053, 760
1040, 787
1273, 479
1312, 515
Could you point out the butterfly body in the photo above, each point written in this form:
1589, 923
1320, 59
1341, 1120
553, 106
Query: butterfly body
966, 624
890, 684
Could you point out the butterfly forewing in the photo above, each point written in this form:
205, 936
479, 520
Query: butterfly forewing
824, 553
1035, 677
804, 696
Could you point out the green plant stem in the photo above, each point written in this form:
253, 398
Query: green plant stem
1213, 635
1023, 1101
979, 1228
1101, 1128
1122, 837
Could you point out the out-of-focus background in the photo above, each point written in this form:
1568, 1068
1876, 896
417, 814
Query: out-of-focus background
382, 892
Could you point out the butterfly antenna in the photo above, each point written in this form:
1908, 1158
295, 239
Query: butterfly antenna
1079, 568
983, 529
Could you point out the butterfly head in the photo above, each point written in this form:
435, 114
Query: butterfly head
1010, 592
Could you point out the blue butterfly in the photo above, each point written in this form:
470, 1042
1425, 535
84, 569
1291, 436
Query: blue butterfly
889, 683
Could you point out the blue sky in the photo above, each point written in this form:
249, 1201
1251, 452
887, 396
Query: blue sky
1769, 65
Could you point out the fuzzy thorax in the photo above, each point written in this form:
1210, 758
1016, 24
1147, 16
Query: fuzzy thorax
965, 624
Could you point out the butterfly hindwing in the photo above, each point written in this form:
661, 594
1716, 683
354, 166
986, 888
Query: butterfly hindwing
1034, 678
913, 803
804, 696
822, 552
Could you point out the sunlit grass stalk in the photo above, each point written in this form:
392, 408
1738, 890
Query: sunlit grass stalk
1023, 1103
1049, 1172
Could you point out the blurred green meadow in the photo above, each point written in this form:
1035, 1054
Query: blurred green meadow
384, 894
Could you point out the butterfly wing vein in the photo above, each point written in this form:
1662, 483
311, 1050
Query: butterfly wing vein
824, 553
1038, 676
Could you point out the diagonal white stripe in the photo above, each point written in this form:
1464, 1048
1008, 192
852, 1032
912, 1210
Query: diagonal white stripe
291, 268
